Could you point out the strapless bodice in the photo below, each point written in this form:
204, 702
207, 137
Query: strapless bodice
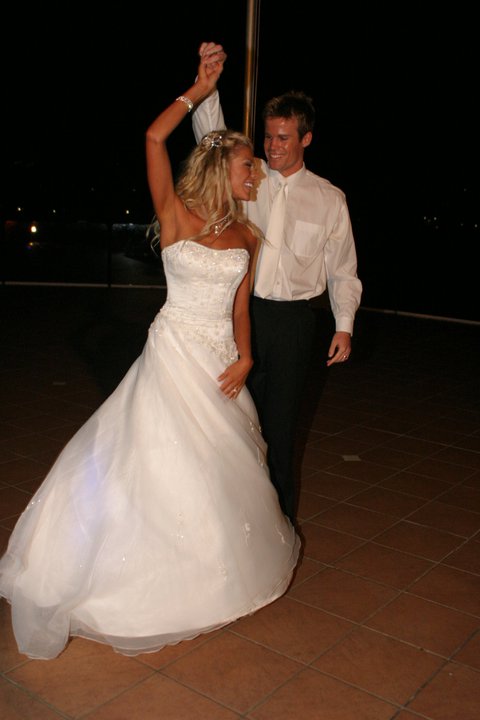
202, 281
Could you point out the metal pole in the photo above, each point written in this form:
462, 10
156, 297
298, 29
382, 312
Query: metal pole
251, 64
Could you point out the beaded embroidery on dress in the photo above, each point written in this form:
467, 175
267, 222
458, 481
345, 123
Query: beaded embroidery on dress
158, 520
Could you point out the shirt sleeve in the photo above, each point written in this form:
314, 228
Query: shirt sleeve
208, 116
344, 287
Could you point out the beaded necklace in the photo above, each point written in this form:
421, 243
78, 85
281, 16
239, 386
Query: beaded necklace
223, 223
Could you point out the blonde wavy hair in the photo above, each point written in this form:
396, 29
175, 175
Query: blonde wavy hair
204, 182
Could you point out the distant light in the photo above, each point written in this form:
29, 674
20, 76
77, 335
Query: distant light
19, 209
54, 211
127, 212
33, 228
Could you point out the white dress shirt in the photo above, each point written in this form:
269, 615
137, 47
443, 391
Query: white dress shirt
319, 249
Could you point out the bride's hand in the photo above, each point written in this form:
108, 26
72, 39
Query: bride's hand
234, 377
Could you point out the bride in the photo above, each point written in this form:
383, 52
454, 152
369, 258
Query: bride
158, 520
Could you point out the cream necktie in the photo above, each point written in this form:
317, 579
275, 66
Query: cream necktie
268, 261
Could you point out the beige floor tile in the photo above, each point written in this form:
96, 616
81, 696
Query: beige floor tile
313, 696
16, 704
83, 677
18, 393
30, 486
413, 445
418, 485
311, 505
342, 445
317, 459
446, 472
293, 629
233, 671
443, 517
419, 540
368, 472
455, 588
12, 502
470, 652
457, 456
392, 423
305, 569
424, 624
460, 426
32, 445
5, 533
170, 653
325, 545
6, 453
454, 694
323, 423
9, 412
64, 433
463, 497
388, 456
432, 431
370, 437
159, 698
384, 565
473, 480
386, 667
21, 469
360, 522
332, 486
381, 500
44, 422
343, 594
471, 442
11, 433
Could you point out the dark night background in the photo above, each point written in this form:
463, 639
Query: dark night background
396, 94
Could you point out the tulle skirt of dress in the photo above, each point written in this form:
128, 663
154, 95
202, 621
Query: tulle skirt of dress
158, 521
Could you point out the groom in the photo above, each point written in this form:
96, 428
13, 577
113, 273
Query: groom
316, 251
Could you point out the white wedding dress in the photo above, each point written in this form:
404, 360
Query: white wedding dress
158, 520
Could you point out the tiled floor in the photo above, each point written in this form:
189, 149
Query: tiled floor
382, 619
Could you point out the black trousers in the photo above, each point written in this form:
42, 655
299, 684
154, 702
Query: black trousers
282, 339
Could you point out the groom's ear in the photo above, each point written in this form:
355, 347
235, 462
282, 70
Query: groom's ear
307, 139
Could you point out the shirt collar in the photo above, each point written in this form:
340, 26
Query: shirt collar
276, 178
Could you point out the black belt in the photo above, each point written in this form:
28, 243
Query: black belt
279, 303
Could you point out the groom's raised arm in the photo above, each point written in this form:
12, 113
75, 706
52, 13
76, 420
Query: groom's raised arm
208, 116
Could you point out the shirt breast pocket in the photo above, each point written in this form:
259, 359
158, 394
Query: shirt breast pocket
306, 240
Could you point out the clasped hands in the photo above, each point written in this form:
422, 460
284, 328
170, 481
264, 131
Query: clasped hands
212, 57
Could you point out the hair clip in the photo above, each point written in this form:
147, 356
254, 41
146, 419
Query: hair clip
213, 139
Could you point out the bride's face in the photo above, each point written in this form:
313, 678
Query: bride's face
242, 172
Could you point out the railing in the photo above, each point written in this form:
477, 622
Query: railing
99, 254
79, 253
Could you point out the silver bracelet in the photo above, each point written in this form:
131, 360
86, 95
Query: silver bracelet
187, 102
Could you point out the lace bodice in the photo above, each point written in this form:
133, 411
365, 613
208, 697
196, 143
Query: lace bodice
202, 283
